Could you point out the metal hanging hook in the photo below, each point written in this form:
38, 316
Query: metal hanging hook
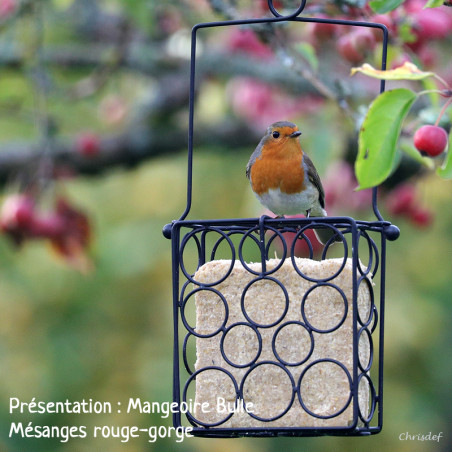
275, 12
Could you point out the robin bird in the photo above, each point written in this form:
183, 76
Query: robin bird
283, 177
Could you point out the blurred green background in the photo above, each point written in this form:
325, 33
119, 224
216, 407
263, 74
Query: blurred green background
107, 335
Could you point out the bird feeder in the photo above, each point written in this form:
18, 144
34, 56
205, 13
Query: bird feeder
282, 346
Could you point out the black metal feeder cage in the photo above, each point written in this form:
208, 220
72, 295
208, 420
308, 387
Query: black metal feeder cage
283, 346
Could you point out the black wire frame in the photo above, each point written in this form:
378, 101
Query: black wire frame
293, 18
341, 225
346, 226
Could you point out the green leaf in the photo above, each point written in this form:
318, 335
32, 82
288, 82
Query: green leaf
407, 71
384, 6
308, 53
445, 171
434, 3
379, 135
406, 33
396, 161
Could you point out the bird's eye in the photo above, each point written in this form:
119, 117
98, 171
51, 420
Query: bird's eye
275, 134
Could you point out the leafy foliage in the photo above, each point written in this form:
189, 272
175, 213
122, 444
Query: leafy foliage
379, 134
385, 6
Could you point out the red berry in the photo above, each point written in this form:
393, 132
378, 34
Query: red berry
354, 46
322, 31
401, 200
17, 212
246, 41
427, 24
364, 39
430, 140
348, 51
88, 144
431, 24
421, 217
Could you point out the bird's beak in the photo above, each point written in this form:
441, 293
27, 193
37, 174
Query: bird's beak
295, 134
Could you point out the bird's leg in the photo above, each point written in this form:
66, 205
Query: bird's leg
308, 213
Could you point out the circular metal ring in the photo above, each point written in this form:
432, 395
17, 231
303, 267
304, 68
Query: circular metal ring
374, 326
275, 12
373, 251
184, 242
272, 363
311, 336
269, 242
182, 291
189, 415
259, 348
185, 322
184, 353
330, 241
372, 301
371, 350
242, 301
218, 242
344, 261
308, 243
263, 251
303, 302
337, 413
373, 396
193, 233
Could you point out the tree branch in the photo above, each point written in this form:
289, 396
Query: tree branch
128, 149
153, 60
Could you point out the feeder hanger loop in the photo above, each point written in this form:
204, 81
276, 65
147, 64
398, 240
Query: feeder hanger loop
276, 14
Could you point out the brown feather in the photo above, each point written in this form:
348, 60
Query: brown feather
313, 176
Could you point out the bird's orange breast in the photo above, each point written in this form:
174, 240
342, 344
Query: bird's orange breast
279, 166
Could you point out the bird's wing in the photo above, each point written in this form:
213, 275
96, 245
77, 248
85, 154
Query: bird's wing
248, 167
253, 158
313, 176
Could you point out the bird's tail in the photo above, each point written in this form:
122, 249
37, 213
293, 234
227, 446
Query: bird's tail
324, 234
